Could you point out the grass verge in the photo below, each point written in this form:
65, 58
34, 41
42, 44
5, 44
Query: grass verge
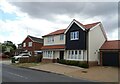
27, 64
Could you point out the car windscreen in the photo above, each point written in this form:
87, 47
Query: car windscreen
25, 55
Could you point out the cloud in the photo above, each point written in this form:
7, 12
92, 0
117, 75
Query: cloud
88, 10
46, 9
40, 18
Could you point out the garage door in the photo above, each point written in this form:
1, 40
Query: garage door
110, 58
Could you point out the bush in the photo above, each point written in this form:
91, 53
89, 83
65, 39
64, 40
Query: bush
31, 59
13, 60
83, 65
74, 63
38, 58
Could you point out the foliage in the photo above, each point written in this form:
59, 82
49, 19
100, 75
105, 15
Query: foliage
13, 60
73, 63
8, 48
7, 45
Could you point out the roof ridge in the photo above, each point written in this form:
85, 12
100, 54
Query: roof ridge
92, 23
34, 37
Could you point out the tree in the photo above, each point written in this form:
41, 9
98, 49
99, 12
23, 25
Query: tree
8, 46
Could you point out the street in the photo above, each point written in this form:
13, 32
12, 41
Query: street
14, 74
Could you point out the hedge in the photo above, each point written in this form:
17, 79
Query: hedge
82, 64
31, 59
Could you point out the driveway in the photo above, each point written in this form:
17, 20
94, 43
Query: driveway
97, 73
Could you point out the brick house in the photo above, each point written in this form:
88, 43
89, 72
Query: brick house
77, 42
32, 45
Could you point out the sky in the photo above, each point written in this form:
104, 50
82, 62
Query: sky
19, 19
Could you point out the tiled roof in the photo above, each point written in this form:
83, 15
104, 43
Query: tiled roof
35, 39
109, 45
53, 47
87, 26
61, 31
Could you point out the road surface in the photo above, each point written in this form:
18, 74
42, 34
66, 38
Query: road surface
14, 74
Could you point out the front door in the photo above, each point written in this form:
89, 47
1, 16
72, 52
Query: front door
61, 55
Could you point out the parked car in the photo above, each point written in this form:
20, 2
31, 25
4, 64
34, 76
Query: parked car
23, 55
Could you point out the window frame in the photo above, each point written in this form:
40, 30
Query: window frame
74, 55
62, 37
50, 39
74, 35
24, 44
30, 44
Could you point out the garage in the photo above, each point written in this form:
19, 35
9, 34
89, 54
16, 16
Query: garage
109, 53
110, 58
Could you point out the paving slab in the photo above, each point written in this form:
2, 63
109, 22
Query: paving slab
97, 73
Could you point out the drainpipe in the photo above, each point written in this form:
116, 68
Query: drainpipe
87, 46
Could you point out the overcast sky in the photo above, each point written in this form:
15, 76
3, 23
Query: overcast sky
19, 19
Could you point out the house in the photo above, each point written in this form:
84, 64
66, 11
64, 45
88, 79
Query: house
110, 53
77, 42
32, 45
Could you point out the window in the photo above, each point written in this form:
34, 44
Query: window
24, 44
79, 52
50, 39
30, 44
79, 57
74, 54
48, 54
62, 37
74, 35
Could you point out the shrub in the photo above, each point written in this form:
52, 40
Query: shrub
74, 63
83, 65
38, 58
13, 60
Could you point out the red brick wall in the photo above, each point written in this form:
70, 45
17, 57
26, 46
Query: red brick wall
38, 46
49, 60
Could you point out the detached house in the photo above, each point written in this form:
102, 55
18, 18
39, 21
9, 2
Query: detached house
32, 45
77, 42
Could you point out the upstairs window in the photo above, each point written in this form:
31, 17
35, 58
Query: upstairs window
74, 35
30, 44
24, 44
50, 39
62, 37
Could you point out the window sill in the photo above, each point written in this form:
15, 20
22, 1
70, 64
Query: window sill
74, 39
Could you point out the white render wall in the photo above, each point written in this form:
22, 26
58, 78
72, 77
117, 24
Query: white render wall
85, 55
57, 40
96, 40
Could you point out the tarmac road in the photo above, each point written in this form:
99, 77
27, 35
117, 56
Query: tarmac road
14, 74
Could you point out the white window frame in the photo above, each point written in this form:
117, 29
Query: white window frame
48, 54
72, 55
24, 44
62, 37
29, 44
50, 39
74, 35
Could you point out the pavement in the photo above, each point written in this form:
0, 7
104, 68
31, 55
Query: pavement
96, 73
